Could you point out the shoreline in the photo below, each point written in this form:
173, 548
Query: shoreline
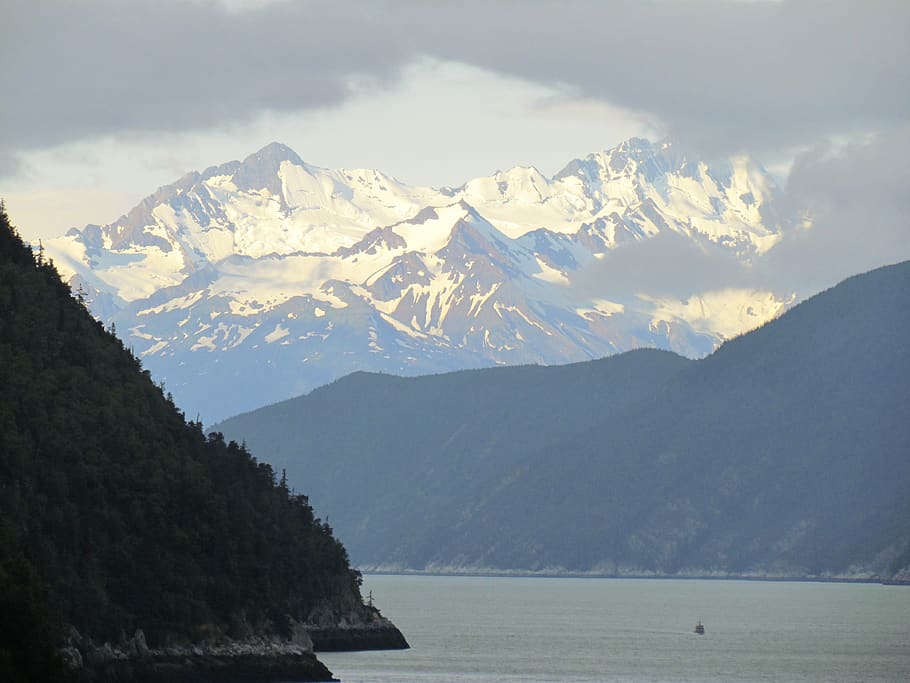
208, 668
545, 574
258, 660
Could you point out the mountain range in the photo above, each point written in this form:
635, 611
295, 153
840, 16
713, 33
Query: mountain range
279, 276
782, 454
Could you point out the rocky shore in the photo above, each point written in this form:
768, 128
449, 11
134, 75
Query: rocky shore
352, 638
208, 668
257, 659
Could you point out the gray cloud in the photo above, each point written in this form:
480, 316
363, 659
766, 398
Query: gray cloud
722, 75
725, 76
859, 206
666, 265
72, 70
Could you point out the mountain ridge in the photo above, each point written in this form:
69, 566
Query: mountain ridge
783, 454
496, 271
118, 516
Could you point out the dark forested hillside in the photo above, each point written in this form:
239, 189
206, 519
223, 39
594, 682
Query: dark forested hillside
785, 453
115, 513
396, 462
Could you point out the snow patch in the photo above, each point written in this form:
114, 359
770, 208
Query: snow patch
725, 312
278, 333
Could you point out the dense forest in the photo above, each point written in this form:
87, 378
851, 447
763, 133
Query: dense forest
397, 461
786, 453
116, 512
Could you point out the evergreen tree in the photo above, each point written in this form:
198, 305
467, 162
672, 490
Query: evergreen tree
117, 511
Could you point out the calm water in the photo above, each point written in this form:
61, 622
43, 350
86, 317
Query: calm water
560, 630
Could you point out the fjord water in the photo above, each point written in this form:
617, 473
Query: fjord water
473, 629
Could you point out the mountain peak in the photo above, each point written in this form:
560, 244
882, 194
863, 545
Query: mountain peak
622, 159
261, 170
420, 265
636, 145
274, 152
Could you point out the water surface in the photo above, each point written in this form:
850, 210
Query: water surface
472, 629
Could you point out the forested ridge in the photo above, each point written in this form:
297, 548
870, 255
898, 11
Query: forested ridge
782, 455
116, 513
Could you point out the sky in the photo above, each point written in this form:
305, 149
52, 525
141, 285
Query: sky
104, 101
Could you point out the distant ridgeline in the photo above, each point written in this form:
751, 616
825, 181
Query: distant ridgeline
786, 453
116, 514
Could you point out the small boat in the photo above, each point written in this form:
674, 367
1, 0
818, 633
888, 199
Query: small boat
700, 628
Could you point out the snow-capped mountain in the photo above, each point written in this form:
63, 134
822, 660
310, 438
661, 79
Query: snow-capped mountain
258, 280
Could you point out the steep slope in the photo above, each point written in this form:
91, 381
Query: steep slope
284, 276
784, 453
379, 452
124, 514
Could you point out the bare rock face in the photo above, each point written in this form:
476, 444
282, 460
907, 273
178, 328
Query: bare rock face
300, 636
379, 635
258, 660
351, 627
137, 647
346, 626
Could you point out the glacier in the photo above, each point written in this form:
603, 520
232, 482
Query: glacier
261, 279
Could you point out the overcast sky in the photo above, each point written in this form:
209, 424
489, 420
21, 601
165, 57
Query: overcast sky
105, 100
